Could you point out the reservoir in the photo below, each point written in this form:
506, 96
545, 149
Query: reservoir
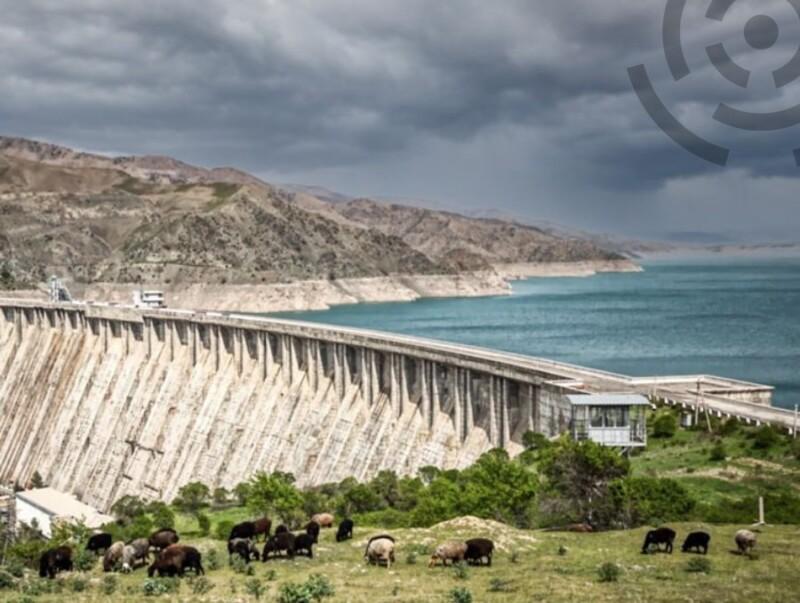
731, 316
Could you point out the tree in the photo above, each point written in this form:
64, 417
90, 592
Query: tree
534, 441
192, 497
359, 499
37, 481
220, 496
578, 476
162, 515
641, 500
240, 491
128, 508
267, 494
386, 487
665, 425
428, 473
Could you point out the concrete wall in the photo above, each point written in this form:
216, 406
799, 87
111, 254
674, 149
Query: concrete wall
105, 402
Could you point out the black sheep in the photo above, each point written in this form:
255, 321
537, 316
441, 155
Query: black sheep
312, 529
284, 541
696, 540
281, 529
657, 537
99, 542
243, 547
55, 560
479, 549
304, 543
246, 529
345, 531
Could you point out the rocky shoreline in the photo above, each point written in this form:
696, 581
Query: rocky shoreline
323, 294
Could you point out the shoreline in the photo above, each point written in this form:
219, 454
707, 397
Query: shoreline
302, 296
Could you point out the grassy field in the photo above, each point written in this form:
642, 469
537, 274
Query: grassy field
529, 566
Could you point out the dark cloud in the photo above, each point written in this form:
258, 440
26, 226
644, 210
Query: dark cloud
515, 104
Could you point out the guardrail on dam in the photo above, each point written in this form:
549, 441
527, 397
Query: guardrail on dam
105, 401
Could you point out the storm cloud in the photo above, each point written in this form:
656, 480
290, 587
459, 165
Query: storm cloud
518, 106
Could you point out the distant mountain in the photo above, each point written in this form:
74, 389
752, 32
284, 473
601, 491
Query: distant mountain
91, 218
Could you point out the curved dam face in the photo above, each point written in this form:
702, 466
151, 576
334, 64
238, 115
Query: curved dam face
106, 401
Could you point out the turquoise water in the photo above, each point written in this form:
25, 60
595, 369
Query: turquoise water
738, 318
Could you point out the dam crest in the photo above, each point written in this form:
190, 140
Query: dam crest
105, 401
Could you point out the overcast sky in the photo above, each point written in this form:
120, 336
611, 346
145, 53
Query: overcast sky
518, 106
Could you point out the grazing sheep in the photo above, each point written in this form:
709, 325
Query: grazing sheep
246, 529
262, 526
55, 560
304, 545
135, 554
283, 541
449, 551
175, 560
163, 538
325, 520
345, 531
245, 548
380, 550
312, 529
745, 541
99, 542
696, 540
113, 556
479, 549
657, 537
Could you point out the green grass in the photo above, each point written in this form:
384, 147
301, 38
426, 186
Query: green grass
540, 573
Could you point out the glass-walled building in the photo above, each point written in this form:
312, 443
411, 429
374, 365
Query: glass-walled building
610, 419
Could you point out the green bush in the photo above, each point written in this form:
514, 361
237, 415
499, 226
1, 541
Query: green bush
77, 584
84, 560
460, 595
162, 515
608, 572
155, 587
254, 588
204, 523
496, 585
200, 585
27, 552
109, 585
765, 437
6, 580
729, 427
212, 560
460, 571
223, 529
795, 448
642, 500
665, 425
15, 567
718, 452
411, 557
699, 565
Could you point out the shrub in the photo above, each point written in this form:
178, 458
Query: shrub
729, 427
15, 568
665, 425
200, 585
796, 449
6, 580
109, 585
534, 441
204, 523
155, 587
316, 588
319, 587
514, 557
254, 587
460, 595
496, 585
608, 572
700, 565
223, 529
84, 560
765, 437
240, 566
562, 550
718, 452
77, 584
411, 557
460, 571
270, 575
651, 500
212, 559
162, 515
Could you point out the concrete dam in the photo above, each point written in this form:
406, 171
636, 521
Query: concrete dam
105, 401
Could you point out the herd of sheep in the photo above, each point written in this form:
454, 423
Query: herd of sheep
174, 559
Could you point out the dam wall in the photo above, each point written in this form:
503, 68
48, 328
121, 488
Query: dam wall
105, 401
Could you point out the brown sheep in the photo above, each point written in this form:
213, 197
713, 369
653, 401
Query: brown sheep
113, 556
175, 560
325, 520
262, 526
452, 551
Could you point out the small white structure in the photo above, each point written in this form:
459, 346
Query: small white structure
48, 506
610, 419
148, 299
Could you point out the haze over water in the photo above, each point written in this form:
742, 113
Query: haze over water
735, 317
